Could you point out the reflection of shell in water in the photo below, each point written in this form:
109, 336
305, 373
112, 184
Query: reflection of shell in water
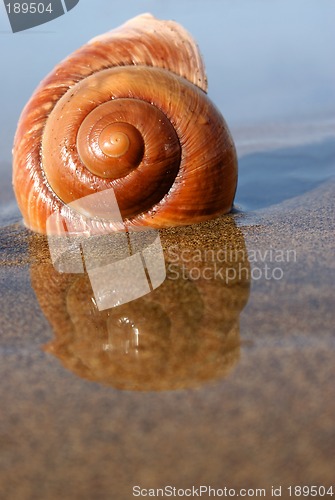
180, 335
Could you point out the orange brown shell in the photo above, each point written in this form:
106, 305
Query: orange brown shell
127, 111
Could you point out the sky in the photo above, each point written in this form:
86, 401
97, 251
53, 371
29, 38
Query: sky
267, 61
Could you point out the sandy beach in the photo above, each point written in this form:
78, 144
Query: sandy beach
240, 376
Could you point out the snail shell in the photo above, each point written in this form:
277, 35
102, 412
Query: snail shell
126, 111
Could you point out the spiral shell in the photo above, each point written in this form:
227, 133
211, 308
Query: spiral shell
127, 111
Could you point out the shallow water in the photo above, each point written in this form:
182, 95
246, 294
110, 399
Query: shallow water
270, 177
218, 365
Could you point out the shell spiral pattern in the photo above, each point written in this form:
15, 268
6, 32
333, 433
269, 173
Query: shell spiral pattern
127, 111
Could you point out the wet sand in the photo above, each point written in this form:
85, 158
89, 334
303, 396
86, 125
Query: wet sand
239, 392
